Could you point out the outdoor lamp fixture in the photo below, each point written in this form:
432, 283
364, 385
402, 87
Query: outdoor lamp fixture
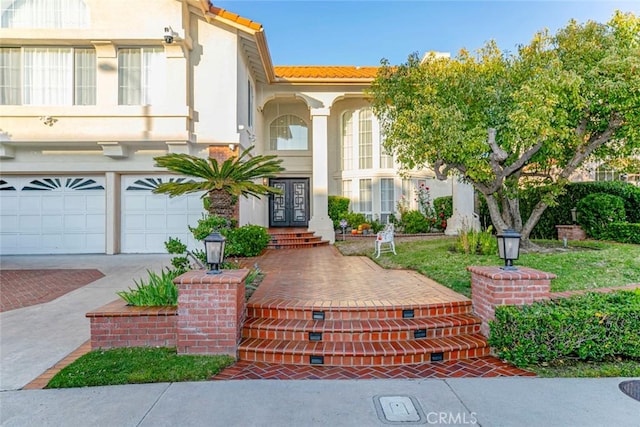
214, 247
509, 248
574, 215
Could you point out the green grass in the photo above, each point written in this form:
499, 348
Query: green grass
137, 366
581, 369
586, 265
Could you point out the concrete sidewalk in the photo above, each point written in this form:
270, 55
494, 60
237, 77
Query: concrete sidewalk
513, 401
33, 339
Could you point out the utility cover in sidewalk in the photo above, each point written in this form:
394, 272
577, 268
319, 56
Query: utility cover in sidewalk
401, 410
631, 388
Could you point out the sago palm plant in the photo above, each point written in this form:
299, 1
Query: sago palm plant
222, 183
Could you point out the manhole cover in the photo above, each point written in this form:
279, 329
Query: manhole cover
631, 388
398, 410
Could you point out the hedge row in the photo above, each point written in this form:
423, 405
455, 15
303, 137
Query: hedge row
561, 213
593, 326
623, 232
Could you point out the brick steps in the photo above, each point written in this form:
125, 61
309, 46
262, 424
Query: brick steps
342, 353
278, 310
285, 238
363, 330
359, 333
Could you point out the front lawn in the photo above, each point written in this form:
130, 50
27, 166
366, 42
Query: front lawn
137, 366
583, 265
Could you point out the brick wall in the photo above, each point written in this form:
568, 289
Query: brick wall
118, 325
211, 310
571, 232
492, 286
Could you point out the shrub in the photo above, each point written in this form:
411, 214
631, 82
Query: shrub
476, 242
354, 219
415, 222
158, 290
597, 211
593, 326
209, 224
245, 241
338, 209
444, 211
623, 232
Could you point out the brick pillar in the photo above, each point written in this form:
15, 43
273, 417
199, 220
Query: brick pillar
211, 310
492, 286
571, 232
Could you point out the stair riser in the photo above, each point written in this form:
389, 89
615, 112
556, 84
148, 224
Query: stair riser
316, 239
367, 360
407, 335
345, 314
280, 236
298, 245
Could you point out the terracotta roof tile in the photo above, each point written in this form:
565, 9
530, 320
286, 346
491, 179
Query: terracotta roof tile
223, 13
325, 72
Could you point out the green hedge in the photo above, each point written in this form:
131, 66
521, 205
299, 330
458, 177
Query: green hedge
561, 213
597, 211
623, 232
593, 326
338, 209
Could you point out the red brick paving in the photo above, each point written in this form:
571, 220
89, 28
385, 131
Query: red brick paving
24, 288
469, 368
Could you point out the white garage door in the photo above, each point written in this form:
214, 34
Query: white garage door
148, 220
52, 215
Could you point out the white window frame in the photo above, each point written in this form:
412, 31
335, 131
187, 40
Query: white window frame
282, 125
144, 82
365, 200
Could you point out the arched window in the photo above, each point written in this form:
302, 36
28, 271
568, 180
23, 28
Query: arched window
365, 138
288, 132
44, 14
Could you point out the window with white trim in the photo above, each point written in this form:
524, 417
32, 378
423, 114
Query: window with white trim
44, 14
386, 159
346, 188
366, 203
347, 140
47, 76
141, 76
288, 132
387, 199
365, 139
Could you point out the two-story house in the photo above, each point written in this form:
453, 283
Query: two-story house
91, 91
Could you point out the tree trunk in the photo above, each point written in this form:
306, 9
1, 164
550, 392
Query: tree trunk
222, 204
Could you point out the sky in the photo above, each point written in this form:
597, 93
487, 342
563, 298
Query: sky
362, 32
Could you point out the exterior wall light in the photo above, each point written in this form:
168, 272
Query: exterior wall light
214, 247
509, 248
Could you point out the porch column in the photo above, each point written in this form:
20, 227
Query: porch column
113, 214
320, 221
464, 217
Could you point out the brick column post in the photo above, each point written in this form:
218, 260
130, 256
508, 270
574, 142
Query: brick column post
492, 286
211, 310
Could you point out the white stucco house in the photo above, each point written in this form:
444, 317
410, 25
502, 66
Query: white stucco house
91, 91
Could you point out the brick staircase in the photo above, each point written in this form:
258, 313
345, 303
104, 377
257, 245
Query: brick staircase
294, 238
356, 336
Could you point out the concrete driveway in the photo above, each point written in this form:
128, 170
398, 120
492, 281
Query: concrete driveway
32, 339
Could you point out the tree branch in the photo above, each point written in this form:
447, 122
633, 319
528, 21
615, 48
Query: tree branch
519, 164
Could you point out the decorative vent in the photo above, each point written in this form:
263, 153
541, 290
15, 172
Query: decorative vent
50, 184
5, 186
150, 184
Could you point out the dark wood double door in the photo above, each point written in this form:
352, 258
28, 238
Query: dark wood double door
291, 208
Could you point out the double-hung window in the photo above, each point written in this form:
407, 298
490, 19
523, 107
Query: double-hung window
387, 199
366, 203
141, 76
47, 76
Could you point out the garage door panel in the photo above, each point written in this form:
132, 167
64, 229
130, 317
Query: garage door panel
52, 215
149, 220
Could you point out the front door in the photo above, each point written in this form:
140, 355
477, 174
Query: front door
291, 208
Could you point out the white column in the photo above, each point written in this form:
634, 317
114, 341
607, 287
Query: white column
320, 221
464, 217
112, 216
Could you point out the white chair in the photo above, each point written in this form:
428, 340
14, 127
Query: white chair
385, 236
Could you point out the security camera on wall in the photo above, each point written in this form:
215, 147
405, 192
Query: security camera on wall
168, 35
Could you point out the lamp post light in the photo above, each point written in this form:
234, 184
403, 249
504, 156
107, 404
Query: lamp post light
214, 248
509, 248
574, 215
343, 225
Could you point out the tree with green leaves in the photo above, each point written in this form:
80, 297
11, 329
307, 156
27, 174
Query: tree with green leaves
526, 121
223, 183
